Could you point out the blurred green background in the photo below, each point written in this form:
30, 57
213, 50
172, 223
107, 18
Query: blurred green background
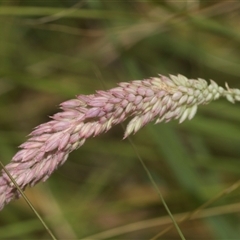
51, 51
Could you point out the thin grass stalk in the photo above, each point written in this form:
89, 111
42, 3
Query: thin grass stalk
198, 210
29, 203
175, 224
160, 221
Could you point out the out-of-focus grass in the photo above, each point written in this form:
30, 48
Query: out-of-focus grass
46, 59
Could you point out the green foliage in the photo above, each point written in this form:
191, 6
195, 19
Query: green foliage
51, 51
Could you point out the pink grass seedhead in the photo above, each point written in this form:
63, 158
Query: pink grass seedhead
49, 144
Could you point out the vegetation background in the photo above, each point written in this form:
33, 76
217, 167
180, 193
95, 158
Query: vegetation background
51, 51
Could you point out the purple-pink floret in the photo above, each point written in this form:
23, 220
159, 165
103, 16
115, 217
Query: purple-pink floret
49, 144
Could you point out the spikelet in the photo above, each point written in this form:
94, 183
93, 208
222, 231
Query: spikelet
156, 99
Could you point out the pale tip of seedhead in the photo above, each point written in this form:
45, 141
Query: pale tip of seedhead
192, 112
214, 84
230, 98
227, 87
184, 115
